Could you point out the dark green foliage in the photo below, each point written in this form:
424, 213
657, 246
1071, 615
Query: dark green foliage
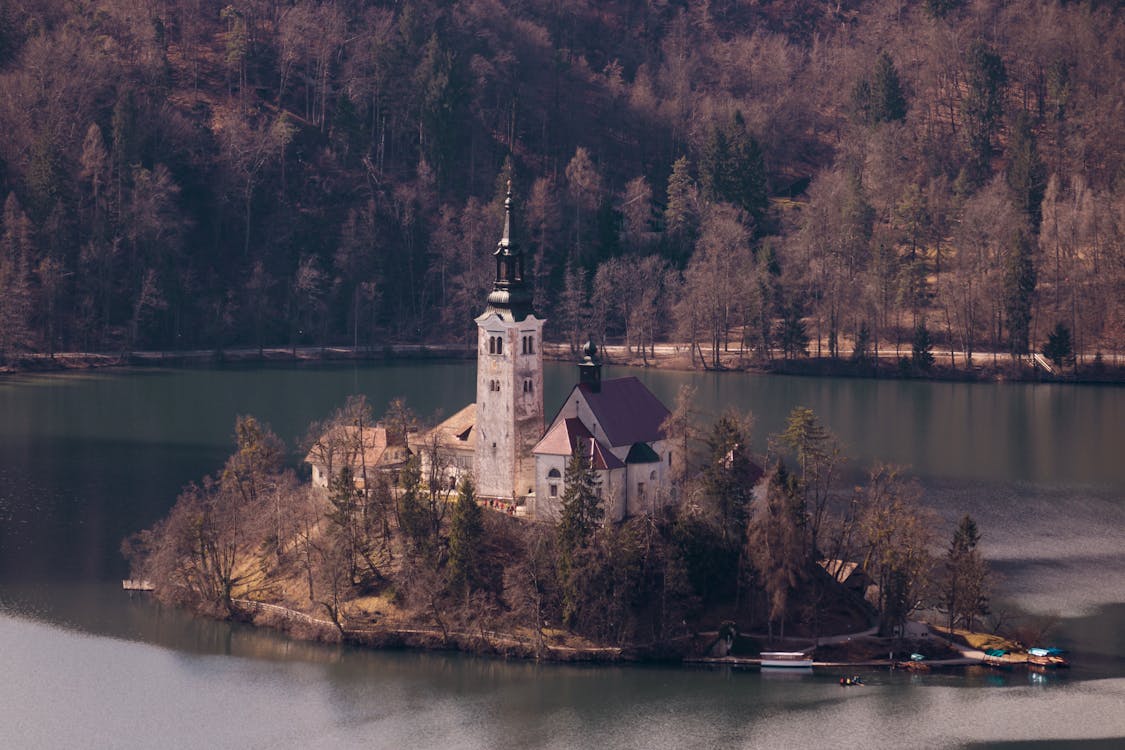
966, 576
441, 92
728, 476
922, 348
861, 350
983, 105
1019, 292
732, 169
466, 541
1026, 173
582, 514
1058, 348
681, 219
942, 8
582, 510
880, 98
708, 563
792, 334
413, 514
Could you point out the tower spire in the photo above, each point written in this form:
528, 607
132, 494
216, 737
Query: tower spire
509, 293
505, 243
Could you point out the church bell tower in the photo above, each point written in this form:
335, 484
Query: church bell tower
509, 414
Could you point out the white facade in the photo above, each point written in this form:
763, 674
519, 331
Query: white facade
509, 418
632, 474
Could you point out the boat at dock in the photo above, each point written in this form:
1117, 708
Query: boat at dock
1046, 658
786, 660
997, 658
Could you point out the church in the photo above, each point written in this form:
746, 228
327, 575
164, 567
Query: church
519, 459
516, 458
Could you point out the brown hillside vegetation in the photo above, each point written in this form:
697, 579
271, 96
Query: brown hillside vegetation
840, 179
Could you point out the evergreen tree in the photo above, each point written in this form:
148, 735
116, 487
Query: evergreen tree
345, 499
1026, 173
15, 278
729, 476
732, 169
466, 535
861, 350
582, 513
1019, 292
966, 589
413, 516
1058, 348
983, 105
922, 348
681, 213
792, 335
888, 103
582, 510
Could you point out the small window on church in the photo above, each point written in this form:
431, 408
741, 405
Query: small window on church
641, 490
554, 474
530, 345
494, 448
652, 476
499, 345
491, 344
554, 490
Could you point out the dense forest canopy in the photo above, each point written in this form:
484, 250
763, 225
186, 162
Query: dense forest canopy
836, 176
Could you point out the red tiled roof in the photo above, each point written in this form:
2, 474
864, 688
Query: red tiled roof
626, 410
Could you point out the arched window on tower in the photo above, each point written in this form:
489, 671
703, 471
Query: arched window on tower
531, 345
499, 345
491, 344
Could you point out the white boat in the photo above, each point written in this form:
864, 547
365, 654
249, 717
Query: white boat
786, 660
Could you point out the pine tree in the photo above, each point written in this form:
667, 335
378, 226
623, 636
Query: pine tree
15, 278
1026, 173
888, 103
466, 533
729, 476
732, 169
983, 105
922, 348
966, 589
582, 513
1058, 348
681, 213
1019, 293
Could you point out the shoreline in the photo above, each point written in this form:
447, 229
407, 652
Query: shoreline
987, 368
299, 625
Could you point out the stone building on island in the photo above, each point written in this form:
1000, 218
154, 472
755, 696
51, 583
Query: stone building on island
501, 440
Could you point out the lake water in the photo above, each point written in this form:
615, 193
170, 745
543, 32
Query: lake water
86, 459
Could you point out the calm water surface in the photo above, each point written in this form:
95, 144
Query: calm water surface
87, 459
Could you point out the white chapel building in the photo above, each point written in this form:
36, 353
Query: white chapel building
516, 459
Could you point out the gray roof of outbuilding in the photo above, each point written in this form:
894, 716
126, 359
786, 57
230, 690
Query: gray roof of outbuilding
626, 410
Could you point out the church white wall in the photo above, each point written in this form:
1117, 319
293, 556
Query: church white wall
509, 417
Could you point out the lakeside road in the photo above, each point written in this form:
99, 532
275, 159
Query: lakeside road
668, 355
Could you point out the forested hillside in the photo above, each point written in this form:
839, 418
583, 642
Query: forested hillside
782, 175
